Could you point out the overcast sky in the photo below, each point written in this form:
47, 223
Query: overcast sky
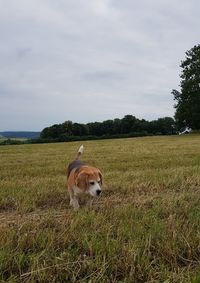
91, 60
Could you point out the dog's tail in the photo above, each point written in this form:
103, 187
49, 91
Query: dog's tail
80, 151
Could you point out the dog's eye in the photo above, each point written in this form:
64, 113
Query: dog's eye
92, 183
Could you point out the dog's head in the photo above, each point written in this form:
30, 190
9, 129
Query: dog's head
89, 180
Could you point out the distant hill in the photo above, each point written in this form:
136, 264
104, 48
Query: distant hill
20, 135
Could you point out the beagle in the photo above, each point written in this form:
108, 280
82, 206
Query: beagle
82, 178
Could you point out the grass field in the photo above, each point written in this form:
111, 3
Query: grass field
145, 227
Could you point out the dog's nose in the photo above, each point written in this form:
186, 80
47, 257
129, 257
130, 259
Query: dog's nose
98, 192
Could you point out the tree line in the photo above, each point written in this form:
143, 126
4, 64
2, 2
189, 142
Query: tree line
129, 125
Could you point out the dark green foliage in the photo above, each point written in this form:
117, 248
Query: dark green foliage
129, 126
188, 99
10, 142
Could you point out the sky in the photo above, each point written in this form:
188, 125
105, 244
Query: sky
91, 60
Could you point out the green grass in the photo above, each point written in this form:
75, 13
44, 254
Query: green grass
144, 228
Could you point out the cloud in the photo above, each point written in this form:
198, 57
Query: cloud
23, 51
91, 60
102, 76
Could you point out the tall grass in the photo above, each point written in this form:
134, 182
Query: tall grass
144, 228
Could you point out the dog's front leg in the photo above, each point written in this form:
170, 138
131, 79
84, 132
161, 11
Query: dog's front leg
90, 202
75, 204
73, 199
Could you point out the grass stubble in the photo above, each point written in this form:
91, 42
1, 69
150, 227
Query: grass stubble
144, 228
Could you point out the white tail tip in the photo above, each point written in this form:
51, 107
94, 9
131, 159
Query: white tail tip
80, 149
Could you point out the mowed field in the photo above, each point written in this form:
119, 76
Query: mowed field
145, 227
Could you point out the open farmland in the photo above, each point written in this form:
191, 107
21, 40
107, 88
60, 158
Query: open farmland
145, 227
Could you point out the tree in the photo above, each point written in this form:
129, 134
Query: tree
128, 124
107, 127
166, 125
95, 129
80, 130
188, 98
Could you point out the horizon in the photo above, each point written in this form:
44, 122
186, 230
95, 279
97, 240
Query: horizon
1, 131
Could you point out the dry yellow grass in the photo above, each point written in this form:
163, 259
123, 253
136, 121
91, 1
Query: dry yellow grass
144, 227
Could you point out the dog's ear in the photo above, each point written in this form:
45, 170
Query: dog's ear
100, 176
82, 180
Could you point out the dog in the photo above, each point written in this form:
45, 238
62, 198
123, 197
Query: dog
82, 178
